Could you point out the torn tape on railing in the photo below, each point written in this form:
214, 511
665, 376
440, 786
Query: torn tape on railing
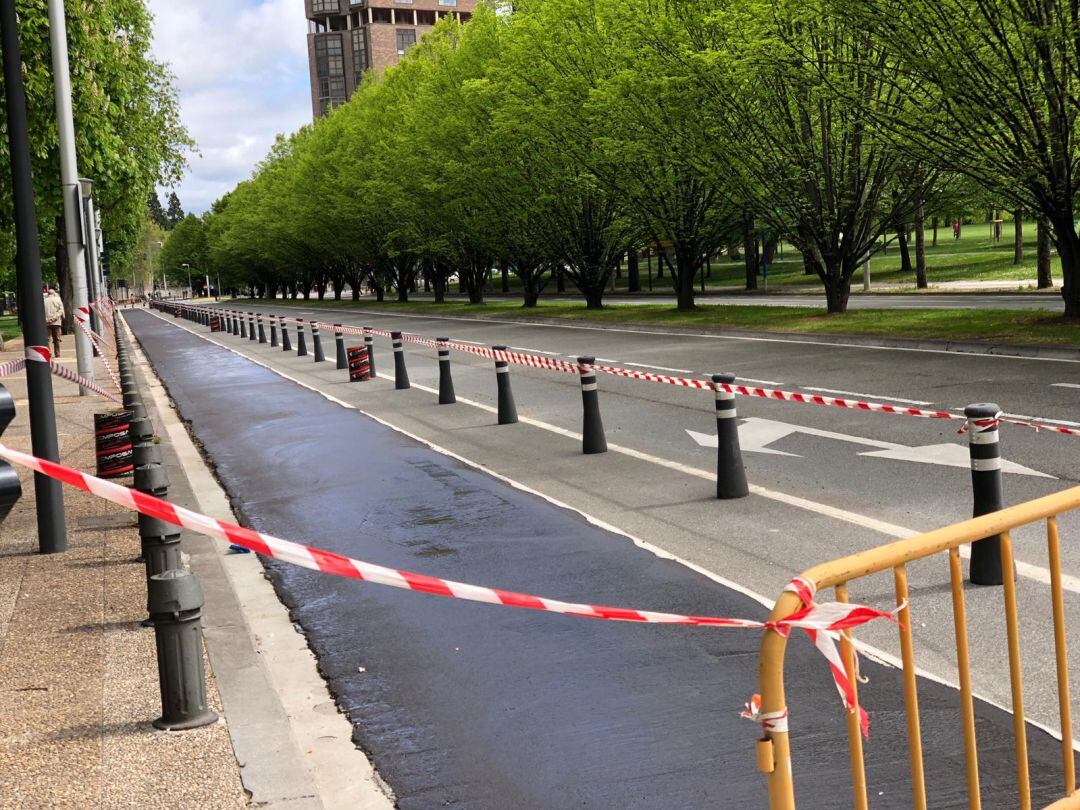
82, 314
71, 376
822, 621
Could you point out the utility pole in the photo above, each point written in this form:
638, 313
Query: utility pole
69, 182
52, 532
90, 231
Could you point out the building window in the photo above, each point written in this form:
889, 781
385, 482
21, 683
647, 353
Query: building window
447, 2
425, 17
464, 16
324, 6
406, 38
381, 15
330, 71
360, 53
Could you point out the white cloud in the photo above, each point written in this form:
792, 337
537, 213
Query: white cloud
241, 68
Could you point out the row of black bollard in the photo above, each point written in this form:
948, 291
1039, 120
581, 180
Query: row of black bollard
174, 596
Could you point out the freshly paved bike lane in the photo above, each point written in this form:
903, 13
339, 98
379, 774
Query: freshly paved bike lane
463, 704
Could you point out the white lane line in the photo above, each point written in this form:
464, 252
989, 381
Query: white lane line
881, 656
760, 382
603, 359
1065, 422
753, 339
470, 342
865, 396
523, 349
1065, 385
660, 368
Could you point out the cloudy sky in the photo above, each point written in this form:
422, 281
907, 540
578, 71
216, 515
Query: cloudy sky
241, 68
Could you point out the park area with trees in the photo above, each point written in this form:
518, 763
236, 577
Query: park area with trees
563, 141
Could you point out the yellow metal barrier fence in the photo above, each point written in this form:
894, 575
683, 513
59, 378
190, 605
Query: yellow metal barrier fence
774, 752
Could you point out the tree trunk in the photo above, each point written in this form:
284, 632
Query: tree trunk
594, 297
684, 290
380, 293
770, 250
560, 281
633, 272
1018, 236
837, 290
920, 247
440, 287
749, 251
1068, 246
933, 225
505, 272
476, 292
905, 254
530, 288
403, 293
1042, 262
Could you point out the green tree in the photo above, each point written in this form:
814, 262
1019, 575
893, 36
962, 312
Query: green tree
185, 245
174, 214
997, 86
155, 211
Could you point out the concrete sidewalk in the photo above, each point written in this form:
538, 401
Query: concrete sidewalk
78, 674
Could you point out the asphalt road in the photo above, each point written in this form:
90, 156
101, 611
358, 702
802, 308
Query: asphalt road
467, 705
1018, 301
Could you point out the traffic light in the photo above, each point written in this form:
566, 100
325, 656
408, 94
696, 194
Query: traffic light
10, 488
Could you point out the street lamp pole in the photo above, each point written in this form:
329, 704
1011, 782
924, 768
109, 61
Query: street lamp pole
191, 290
52, 532
76, 239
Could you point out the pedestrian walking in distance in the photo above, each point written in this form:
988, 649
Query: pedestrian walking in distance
54, 317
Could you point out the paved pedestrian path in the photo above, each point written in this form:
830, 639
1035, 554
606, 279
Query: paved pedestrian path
78, 674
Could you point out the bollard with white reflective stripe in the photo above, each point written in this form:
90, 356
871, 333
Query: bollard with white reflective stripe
592, 427
985, 451
507, 408
446, 382
316, 343
286, 344
401, 374
262, 331
230, 323
369, 342
301, 339
251, 326
339, 341
243, 327
273, 331
730, 473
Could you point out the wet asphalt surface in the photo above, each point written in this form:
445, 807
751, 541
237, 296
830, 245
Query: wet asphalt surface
468, 705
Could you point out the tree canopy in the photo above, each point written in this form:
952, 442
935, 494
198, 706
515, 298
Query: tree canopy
552, 137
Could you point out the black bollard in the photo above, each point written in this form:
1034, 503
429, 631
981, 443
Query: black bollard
235, 324
507, 408
226, 323
301, 341
251, 326
985, 452
401, 374
262, 332
339, 341
175, 599
446, 382
316, 343
286, 344
369, 342
273, 331
730, 473
243, 328
592, 429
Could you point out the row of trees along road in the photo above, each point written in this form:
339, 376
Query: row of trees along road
127, 123
554, 135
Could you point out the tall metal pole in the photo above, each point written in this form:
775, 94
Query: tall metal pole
52, 533
69, 180
91, 230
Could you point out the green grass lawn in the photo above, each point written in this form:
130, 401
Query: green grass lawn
988, 325
9, 327
974, 257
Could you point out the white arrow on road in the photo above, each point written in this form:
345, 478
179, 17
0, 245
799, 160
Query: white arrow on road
756, 434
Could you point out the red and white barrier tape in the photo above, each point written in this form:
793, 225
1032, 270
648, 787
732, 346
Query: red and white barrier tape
68, 374
98, 342
11, 366
822, 621
553, 364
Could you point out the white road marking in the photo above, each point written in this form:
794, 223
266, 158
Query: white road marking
1065, 422
755, 436
1033, 572
470, 342
759, 382
1065, 385
523, 349
865, 396
1037, 573
661, 368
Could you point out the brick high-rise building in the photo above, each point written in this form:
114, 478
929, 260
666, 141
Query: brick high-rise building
347, 37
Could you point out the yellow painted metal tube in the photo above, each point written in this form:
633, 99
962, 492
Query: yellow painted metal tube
1061, 651
1016, 677
854, 729
963, 666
